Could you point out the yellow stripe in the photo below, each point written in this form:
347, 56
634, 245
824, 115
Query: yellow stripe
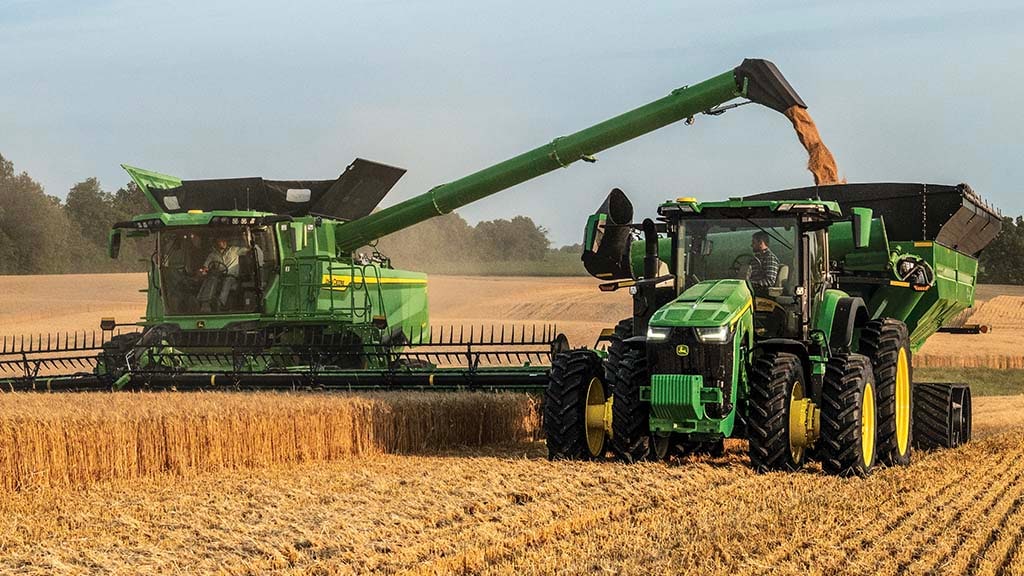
900, 284
342, 282
732, 325
922, 244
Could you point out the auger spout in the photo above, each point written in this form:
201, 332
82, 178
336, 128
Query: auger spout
758, 80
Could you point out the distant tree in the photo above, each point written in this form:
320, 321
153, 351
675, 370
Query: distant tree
515, 239
34, 225
1002, 262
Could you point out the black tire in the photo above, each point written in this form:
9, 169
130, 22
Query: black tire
111, 362
884, 341
935, 424
617, 348
565, 404
774, 377
630, 416
848, 404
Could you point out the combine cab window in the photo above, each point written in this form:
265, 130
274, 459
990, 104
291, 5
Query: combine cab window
762, 251
211, 270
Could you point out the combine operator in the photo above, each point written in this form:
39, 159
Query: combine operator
220, 271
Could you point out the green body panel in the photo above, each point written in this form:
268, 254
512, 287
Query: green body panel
636, 254
924, 311
823, 311
710, 303
872, 258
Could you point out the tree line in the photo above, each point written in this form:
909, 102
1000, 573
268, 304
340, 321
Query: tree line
42, 234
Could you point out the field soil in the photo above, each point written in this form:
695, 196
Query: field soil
505, 509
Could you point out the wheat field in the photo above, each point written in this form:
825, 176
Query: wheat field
72, 440
507, 510
221, 483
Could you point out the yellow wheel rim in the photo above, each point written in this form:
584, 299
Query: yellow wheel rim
796, 421
867, 425
902, 402
595, 417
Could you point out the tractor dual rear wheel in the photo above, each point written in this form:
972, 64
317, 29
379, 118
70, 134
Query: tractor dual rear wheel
848, 442
631, 437
886, 342
574, 407
777, 384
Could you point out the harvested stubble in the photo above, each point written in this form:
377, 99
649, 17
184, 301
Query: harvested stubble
994, 361
73, 440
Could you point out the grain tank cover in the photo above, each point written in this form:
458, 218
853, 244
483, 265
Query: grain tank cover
954, 216
352, 195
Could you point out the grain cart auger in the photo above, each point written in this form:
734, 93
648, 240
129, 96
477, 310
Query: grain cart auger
253, 282
788, 319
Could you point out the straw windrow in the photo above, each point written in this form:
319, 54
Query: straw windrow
73, 440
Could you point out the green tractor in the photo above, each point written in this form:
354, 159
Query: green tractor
259, 283
787, 319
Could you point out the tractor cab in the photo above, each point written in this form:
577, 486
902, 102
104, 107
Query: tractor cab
779, 249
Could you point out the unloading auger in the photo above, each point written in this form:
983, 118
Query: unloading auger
253, 283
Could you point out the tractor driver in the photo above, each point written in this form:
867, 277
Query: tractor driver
221, 275
764, 265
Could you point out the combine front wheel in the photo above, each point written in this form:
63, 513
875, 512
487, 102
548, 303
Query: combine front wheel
574, 407
776, 430
848, 417
886, 343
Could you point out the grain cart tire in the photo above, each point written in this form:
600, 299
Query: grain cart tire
886, 342
942, 415
630, 416
777, 381
575, 388
848, 417
616, 347
111, 362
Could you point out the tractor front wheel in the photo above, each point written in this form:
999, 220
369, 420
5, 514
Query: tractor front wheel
777, 385
631, 436
574, 407
848, 417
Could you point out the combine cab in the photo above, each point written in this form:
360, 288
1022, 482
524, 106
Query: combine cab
256, 283
789, 319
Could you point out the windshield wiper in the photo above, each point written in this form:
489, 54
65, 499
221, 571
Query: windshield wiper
775, 237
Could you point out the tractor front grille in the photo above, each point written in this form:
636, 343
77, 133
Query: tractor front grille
712, 361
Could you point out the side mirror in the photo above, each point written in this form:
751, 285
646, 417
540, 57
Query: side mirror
114, 243
861, 227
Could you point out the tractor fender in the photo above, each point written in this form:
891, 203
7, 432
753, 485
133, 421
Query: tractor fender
851, 313
794, 347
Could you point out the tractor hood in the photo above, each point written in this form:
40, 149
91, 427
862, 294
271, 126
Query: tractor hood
708, 303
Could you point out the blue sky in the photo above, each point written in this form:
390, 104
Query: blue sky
909, 91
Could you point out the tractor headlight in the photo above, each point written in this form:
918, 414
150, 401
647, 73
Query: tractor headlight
658, 333
717, 334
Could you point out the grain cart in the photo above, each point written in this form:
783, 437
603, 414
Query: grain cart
289, 303
815, 358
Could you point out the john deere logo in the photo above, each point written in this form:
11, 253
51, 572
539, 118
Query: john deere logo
682, 350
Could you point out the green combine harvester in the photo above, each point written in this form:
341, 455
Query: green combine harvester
257, 283
788, 319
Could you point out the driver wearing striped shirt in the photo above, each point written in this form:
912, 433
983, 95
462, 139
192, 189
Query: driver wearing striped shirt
764, 266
